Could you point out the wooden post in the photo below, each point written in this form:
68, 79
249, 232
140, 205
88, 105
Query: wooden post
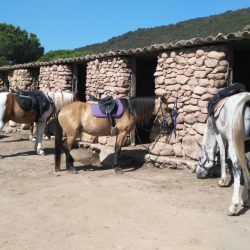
133, 92
74, 78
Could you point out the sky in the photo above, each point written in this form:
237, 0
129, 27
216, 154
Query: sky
70, 24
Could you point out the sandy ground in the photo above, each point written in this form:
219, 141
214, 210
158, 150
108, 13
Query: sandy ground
144, 209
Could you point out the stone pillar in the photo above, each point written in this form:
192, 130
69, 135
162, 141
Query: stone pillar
110, 76
55, 78
189, 77
21, 79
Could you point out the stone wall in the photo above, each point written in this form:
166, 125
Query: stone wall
110, 76
55, 78
190, 77
21, 79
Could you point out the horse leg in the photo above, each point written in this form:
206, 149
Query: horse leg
118, 144
67, 145
222, 182
31, 136
1, 125
39, 136
236, 173
236, 192
246, 189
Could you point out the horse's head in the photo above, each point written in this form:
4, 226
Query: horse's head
205, 164
208, 152
163, 113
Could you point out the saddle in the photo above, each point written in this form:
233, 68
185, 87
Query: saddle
107, 107
226, 92
107, 104
33, 100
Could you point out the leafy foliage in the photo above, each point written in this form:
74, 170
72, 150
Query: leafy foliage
60, 54
231, 21
18, 46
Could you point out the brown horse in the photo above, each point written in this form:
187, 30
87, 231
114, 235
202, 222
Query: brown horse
37, 108
77, 117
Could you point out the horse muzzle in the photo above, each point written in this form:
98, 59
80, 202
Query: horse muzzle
201, 172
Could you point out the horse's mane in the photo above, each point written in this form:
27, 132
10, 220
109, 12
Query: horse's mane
61, 98
142, 107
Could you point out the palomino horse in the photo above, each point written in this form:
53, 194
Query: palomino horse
233, 125
38, 107
77, 117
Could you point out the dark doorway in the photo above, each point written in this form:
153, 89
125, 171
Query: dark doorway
81, 83
145, 86
5, 81
35, 75
241, 67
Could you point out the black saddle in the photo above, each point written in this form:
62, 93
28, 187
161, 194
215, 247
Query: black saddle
33, 100
228, 91
107, 105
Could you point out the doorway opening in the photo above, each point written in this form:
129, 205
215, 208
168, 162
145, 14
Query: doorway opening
145, 86
241, 67
81, 81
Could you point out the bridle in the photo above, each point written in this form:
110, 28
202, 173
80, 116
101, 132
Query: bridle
207, 159
165, 129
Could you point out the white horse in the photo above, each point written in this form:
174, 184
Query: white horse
233, 129
60, 99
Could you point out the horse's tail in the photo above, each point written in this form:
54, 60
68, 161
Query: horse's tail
239, 137
58, 144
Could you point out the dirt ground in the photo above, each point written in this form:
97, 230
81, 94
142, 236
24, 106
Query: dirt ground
146, 208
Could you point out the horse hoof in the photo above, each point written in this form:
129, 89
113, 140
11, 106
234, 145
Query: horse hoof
222, 183
72, 170
41, 153
232, 210
118, 171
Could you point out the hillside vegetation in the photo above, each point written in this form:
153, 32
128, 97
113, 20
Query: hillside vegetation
227, 22
230, 21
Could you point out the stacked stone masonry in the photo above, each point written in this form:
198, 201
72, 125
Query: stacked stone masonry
21, 79
189, 77
110, 76
55, 78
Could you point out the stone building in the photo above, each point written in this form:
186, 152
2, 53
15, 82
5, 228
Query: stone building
187, 72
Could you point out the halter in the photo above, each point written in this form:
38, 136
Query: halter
207, 159
164, 126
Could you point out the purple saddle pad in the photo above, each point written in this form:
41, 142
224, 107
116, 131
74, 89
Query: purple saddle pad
98, 113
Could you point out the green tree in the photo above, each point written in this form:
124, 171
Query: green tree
18, 46
60, 54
